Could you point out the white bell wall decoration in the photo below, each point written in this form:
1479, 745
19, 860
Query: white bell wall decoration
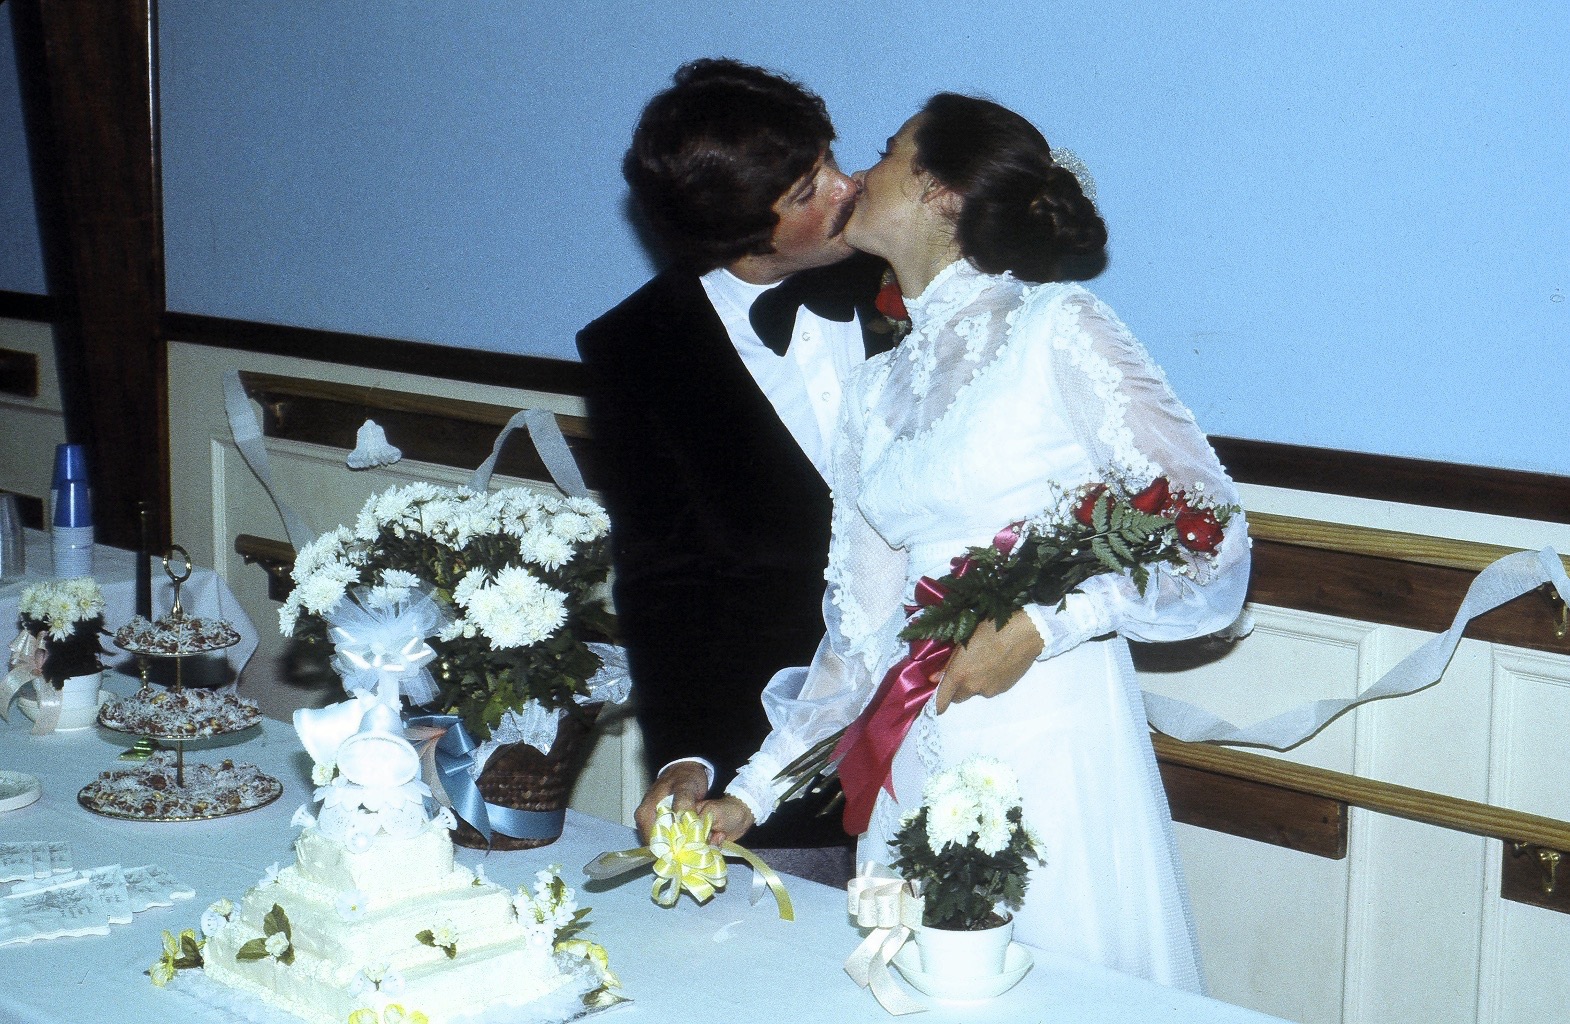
371, 448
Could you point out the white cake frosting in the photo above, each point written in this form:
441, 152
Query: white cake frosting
355, 916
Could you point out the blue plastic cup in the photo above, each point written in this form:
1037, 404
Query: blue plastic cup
70, 464
73, 505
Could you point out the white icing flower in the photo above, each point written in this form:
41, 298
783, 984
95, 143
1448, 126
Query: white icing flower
215, 917
392, 982
270, 876
445, 934
445, 818
351, 905
277, 944
322, 772
303, 818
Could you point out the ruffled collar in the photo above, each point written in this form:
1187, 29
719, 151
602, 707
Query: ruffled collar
953, 288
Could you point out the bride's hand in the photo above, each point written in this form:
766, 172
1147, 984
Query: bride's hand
990, 663
732, 819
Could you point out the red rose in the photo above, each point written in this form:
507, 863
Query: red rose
1198, 530
1086, 507
890, 302
1153, 498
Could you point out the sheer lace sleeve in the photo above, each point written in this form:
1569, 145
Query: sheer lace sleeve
1122, 411
863, 615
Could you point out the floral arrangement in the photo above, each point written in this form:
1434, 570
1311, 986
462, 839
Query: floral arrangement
967, 845
64, 619
520, 573
1099, 528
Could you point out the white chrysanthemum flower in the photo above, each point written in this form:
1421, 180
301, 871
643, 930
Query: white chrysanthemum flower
950, 819
350, 905
322, 772
333, 546
992, 779
472, 581
546, 549
321, 592
570, 527
993, 834
289, 615
277, 944
517, 609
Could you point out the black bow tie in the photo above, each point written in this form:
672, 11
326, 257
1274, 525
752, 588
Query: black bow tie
822, 290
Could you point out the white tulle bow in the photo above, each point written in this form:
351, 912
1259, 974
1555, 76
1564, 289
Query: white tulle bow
382, 648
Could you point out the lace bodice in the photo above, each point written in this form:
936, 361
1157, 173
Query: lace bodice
1005, 395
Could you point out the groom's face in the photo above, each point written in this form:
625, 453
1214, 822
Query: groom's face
812, 215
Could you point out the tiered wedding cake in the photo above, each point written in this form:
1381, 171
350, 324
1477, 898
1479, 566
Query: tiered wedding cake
374, 911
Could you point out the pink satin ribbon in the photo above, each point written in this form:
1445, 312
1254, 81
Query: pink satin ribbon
865, 754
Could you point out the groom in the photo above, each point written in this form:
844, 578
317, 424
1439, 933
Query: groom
715, 413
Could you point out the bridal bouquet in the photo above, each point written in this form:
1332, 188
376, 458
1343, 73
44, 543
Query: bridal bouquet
1096, 529
518, 575
61, 623
967, 846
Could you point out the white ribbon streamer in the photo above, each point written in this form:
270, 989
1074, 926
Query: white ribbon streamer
248, 438
1505, 580
892, 908
548, 442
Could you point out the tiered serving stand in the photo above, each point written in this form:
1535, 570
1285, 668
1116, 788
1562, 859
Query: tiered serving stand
163, 787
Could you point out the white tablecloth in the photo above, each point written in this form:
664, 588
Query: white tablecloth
725, 962
204, 594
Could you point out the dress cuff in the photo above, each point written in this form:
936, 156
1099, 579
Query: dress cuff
708, 769
754, 786
1080, 619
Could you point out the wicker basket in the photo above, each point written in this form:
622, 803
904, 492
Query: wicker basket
519, 776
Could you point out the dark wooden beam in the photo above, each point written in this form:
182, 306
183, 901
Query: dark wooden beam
86, 69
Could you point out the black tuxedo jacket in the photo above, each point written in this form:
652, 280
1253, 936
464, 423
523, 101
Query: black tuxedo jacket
719, 527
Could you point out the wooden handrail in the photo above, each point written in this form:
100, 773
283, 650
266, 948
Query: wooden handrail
1400, 801
1473, 556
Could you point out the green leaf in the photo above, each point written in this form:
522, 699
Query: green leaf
276, 921
256, 949
426, 938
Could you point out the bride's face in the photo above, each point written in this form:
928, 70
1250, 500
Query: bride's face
890, 205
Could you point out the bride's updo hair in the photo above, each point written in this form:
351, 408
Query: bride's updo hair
1019, 211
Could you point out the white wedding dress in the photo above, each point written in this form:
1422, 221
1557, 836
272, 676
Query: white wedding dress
1005, 396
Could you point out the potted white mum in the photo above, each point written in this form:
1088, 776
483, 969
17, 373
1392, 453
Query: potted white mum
967, 846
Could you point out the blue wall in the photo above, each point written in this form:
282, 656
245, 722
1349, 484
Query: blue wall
21, 255
1341, 224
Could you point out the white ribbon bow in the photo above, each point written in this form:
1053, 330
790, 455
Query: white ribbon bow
383, 649
892, 908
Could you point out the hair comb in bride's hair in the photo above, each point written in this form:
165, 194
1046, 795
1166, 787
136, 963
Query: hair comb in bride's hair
1070, 161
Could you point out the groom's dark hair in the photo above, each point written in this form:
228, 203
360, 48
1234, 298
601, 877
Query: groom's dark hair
713, 153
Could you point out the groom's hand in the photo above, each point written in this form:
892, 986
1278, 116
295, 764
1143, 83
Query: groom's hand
990, 663
685, 782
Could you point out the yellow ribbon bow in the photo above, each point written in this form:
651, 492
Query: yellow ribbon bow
685, 860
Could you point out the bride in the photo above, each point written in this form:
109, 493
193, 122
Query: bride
1010, 390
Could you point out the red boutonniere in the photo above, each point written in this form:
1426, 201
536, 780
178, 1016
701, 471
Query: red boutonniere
891, 304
